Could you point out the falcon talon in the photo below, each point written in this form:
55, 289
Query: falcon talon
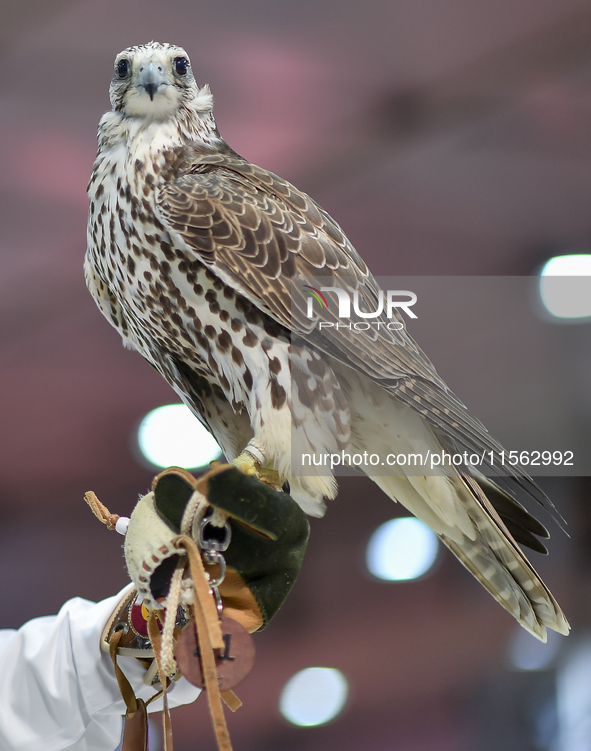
247, 463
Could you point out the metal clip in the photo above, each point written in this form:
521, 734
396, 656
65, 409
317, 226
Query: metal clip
212, 543
212, 554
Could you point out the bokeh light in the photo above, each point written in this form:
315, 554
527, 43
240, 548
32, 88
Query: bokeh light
528, 653
172, 435
573, 696
565, 286
314, 696
401, 549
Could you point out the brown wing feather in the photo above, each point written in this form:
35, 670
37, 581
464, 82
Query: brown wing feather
259, 233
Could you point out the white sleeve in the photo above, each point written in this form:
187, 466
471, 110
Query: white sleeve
58, 689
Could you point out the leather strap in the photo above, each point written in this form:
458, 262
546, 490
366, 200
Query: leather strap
135, 732
209, 637
202, 590
125, 688
99, 509
156, 639
230, 700
211, 680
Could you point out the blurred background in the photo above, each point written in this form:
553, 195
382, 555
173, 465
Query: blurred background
448, 137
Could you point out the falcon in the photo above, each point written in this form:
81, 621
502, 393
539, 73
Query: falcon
203, 263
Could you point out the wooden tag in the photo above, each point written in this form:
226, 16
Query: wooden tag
233, 663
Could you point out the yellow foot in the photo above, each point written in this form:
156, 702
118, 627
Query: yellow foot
250, 466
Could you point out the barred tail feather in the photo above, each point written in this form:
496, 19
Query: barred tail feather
457, 509
500, 566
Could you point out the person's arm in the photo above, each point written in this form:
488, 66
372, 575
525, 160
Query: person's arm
58, 689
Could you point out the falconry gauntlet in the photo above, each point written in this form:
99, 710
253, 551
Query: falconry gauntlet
212, 560
269, 534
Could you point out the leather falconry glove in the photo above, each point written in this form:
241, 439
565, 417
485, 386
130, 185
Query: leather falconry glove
212, 560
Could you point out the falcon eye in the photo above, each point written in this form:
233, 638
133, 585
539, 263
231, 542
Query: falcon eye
122, 68
181, 66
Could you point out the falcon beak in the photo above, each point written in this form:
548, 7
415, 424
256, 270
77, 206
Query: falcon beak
151, 78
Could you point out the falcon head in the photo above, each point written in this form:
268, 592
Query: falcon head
154, 81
